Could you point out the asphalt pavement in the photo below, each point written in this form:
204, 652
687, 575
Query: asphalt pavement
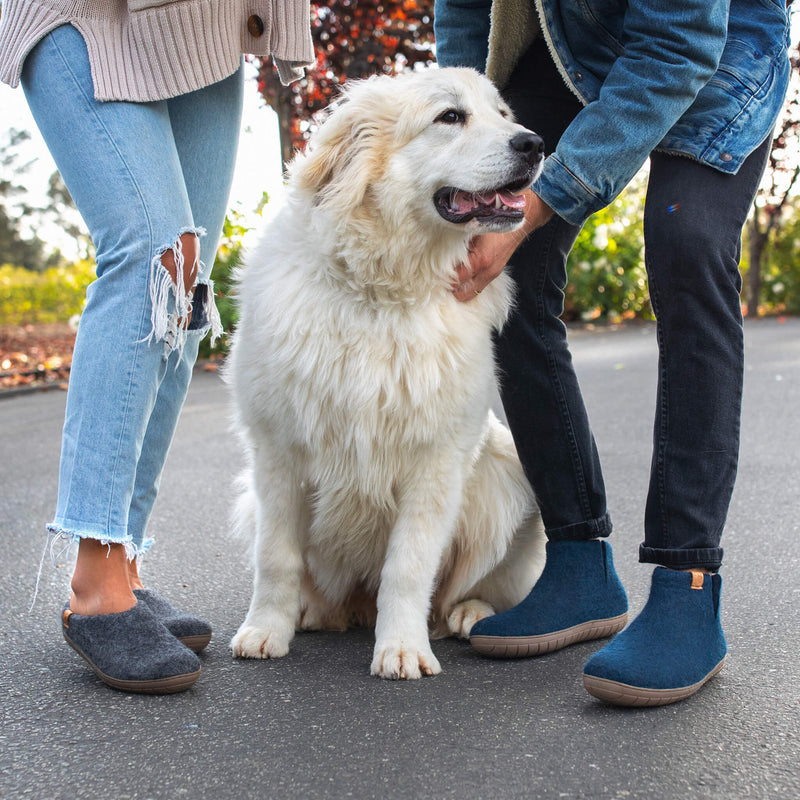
316, 725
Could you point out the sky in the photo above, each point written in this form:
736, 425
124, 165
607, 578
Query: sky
258, 167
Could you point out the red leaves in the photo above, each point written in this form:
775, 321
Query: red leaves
353, 39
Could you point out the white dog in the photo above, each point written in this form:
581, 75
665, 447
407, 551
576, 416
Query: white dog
378, 475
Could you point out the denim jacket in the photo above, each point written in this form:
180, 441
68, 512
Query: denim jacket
704, 79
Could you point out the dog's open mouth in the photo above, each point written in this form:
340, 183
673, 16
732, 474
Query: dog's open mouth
505, 204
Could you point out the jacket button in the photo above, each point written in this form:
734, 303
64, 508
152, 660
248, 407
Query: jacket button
255, 25
726, 157
578, 76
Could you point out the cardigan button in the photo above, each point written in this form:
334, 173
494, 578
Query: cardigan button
255, 25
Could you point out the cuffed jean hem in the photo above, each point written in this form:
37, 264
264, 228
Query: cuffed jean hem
701, 557
132, 549
581, 531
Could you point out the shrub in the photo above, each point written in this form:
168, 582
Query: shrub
54, 295
780, 280
606, 273
59, 294
228, 257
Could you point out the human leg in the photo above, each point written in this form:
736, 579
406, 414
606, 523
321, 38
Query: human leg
122, 169
547, 417
205, 126
539, 388
694, 216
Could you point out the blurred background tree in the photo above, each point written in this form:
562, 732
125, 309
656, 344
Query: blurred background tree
771, 230
352, 39
22, 223
15, 246
780, 269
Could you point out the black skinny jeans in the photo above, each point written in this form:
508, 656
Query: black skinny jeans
693, 221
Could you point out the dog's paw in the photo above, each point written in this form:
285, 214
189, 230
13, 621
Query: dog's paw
397, 660
253, 641
465, 614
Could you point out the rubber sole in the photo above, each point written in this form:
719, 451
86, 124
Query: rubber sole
197, 643
170, 685
622, 694
525, 646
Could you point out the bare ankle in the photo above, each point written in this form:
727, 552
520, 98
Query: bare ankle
100, 582
133, 575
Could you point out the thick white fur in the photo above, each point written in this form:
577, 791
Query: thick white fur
377, 473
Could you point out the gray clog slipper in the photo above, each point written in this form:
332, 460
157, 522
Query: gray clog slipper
194, 632
131, 651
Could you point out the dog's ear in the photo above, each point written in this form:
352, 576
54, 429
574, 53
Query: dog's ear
348, 151
327, 151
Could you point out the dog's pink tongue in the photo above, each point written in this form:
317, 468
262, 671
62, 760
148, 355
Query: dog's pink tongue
513, 200
466, 201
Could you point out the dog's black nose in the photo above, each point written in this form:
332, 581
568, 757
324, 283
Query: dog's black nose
529, 144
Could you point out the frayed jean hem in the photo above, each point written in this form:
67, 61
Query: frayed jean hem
57, 532
132, 549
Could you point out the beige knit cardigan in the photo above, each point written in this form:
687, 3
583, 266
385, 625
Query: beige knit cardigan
145, 50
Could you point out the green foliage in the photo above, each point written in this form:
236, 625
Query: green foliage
780, 284
606, 272
228, 257
54, 295
57, 294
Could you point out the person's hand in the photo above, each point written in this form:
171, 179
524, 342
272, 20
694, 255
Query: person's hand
490, 252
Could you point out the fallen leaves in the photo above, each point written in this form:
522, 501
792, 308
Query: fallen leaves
35, 355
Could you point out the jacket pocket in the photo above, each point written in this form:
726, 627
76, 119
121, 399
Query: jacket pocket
741, 68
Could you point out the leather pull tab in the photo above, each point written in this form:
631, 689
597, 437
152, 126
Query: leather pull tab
65, 617
697, 580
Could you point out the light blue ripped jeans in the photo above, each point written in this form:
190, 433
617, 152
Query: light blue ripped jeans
141, 175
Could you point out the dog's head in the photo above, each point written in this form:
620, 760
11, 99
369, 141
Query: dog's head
436, 150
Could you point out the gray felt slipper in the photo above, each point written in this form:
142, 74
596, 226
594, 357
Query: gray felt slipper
194, 632
131, 651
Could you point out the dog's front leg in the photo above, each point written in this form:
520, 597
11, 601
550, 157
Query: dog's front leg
280, 516
428, 510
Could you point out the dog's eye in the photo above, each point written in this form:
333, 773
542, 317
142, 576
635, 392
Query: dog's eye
452, 117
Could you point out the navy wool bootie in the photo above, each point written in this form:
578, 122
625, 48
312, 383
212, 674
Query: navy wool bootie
669, 651
577, 597
192, 631
131, 651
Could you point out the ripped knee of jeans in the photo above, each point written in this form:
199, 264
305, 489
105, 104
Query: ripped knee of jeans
179, 302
